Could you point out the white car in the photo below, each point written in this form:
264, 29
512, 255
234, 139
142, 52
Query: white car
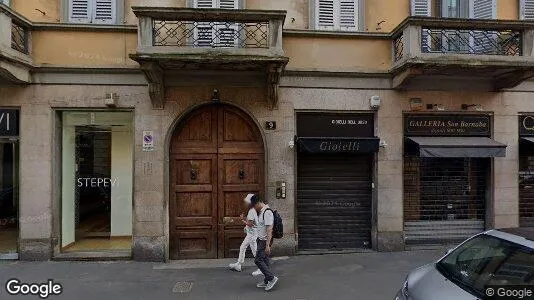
503, 257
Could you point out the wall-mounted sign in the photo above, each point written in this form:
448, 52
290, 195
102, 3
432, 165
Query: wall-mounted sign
148, 140
526, 125
338, 145
335, 125
270, 125
9, 122
447, 125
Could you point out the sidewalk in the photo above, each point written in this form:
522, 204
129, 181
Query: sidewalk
348, 276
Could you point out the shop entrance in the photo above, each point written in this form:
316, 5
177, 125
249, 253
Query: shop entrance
216, 158
447, 171
97, 170
335, 167
9, 200
526, 170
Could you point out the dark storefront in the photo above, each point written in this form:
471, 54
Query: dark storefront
447, 162
526, 170
9, 200
335, 167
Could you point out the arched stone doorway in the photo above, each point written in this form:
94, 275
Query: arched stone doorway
216, 158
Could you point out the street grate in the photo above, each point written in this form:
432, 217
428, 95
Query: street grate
182, 287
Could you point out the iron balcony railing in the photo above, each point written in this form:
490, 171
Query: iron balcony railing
211, 34
457, 36
18, 34
19, 38
164, 29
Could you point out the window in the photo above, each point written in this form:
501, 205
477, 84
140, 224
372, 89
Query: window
526, 9
220, 34
342, 15
92, 11
474, 9
6, 2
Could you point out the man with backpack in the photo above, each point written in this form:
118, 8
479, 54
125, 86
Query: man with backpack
266, 223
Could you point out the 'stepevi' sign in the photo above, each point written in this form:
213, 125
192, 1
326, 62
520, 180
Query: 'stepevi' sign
447, 125
9, 122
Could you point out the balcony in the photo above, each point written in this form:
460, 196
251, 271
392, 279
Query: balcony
15, 60
453, 54
233, 44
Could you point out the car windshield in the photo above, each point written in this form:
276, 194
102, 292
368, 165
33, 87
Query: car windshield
487, 260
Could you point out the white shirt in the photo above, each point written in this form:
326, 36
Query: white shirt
252, 216
265, 219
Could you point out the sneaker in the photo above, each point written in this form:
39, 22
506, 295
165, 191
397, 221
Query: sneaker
261, 285
235, 267
257, 273
271, 283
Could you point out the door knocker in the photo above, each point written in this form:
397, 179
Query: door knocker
241, 174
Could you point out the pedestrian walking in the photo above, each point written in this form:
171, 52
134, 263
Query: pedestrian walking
264, 242
251, 223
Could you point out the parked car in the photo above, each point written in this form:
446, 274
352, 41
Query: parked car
501, 257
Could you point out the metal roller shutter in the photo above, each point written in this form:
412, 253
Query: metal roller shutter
526, 191
444, 200
334, 201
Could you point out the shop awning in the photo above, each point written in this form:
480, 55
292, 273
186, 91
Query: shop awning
458, 147
338, 145
528, 139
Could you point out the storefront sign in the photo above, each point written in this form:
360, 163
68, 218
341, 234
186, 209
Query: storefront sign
526, 125
148, 141
335, 125
447, 125
338, 145
9, 122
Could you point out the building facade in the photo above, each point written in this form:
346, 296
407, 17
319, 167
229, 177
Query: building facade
133, 130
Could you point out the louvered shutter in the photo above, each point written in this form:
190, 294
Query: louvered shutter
325, 18
421, 8
227, 32
104, 11
483, 42
204, 30
229, 4
483, 9
526, 10
348, 15
80, 11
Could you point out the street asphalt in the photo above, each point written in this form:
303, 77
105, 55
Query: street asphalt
367, 276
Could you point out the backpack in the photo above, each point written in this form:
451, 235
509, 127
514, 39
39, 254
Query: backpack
278, 225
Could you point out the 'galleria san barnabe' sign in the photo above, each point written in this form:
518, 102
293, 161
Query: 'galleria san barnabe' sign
447, 125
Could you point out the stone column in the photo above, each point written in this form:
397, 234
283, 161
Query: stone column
389, 173
35, 189
504, 211
150, 208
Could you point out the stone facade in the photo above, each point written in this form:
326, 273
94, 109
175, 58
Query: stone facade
40, 142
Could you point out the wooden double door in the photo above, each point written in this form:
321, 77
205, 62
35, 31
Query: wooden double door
217, 158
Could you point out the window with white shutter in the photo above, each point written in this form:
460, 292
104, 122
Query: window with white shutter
483, 9
483, 42
337, 15
80, 11
92, 11
526, 9
421, 8
220, 34
104, 11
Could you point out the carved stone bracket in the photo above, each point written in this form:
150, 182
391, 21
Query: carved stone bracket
274, 72
156, 88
